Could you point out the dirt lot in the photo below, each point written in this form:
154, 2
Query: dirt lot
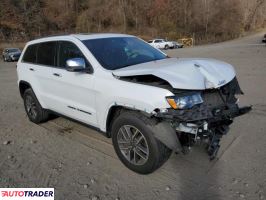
80, 163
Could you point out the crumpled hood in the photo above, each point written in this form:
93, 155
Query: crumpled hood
185, 73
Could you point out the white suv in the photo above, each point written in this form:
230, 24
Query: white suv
148, 103
161, 44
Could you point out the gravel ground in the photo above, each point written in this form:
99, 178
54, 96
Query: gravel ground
80, 163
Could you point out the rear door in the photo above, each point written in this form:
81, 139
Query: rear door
37, 61
46, 57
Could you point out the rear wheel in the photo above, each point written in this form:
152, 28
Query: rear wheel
135, 144
33, 108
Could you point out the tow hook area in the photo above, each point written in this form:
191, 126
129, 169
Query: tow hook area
214, 140
190, 134
206, 126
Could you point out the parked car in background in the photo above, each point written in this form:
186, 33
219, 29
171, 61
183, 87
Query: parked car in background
161, 44
177, 45
11, 54
264, 38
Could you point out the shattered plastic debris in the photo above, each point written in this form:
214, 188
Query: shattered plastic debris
92, 180
7, 142
168, 188
95, 198
86, 186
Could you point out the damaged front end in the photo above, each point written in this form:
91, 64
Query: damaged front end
203, 115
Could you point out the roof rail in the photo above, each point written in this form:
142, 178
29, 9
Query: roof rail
53, 35
66, 34
84, 33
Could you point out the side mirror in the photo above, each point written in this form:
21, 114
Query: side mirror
76, 65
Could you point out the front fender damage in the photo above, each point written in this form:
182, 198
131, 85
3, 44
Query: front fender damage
165, 133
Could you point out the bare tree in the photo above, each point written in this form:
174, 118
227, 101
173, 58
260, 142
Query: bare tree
252, 15
207, 20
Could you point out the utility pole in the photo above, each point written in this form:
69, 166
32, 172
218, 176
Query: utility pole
207, 11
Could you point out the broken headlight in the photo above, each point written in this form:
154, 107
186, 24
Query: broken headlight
184, 102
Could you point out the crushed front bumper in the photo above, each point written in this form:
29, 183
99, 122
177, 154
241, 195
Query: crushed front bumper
208, 121
200, 114
209, 127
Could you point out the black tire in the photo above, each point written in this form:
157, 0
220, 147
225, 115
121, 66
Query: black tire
36, 114
158, 152
166, 47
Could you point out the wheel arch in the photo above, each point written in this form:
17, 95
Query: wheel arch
23, 86
162, 130
114, 111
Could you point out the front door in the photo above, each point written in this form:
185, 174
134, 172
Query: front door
69, 93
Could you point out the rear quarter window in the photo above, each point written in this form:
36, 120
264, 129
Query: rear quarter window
30, 54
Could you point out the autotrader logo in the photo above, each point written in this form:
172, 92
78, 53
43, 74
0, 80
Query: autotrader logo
27, 193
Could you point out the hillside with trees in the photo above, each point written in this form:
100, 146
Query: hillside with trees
205, 20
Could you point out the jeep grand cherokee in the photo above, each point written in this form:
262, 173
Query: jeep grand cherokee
148, 103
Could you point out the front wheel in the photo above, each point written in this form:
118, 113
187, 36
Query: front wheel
166, 47
135, 144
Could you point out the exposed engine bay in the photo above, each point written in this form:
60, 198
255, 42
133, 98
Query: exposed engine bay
148, 80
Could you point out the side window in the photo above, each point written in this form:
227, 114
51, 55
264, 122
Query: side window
158, 41
46, 54
30, 54
68, 50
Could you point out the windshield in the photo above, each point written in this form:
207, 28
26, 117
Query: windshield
13, 50
119, 52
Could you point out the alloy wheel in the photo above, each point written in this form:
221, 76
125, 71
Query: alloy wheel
133, 145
